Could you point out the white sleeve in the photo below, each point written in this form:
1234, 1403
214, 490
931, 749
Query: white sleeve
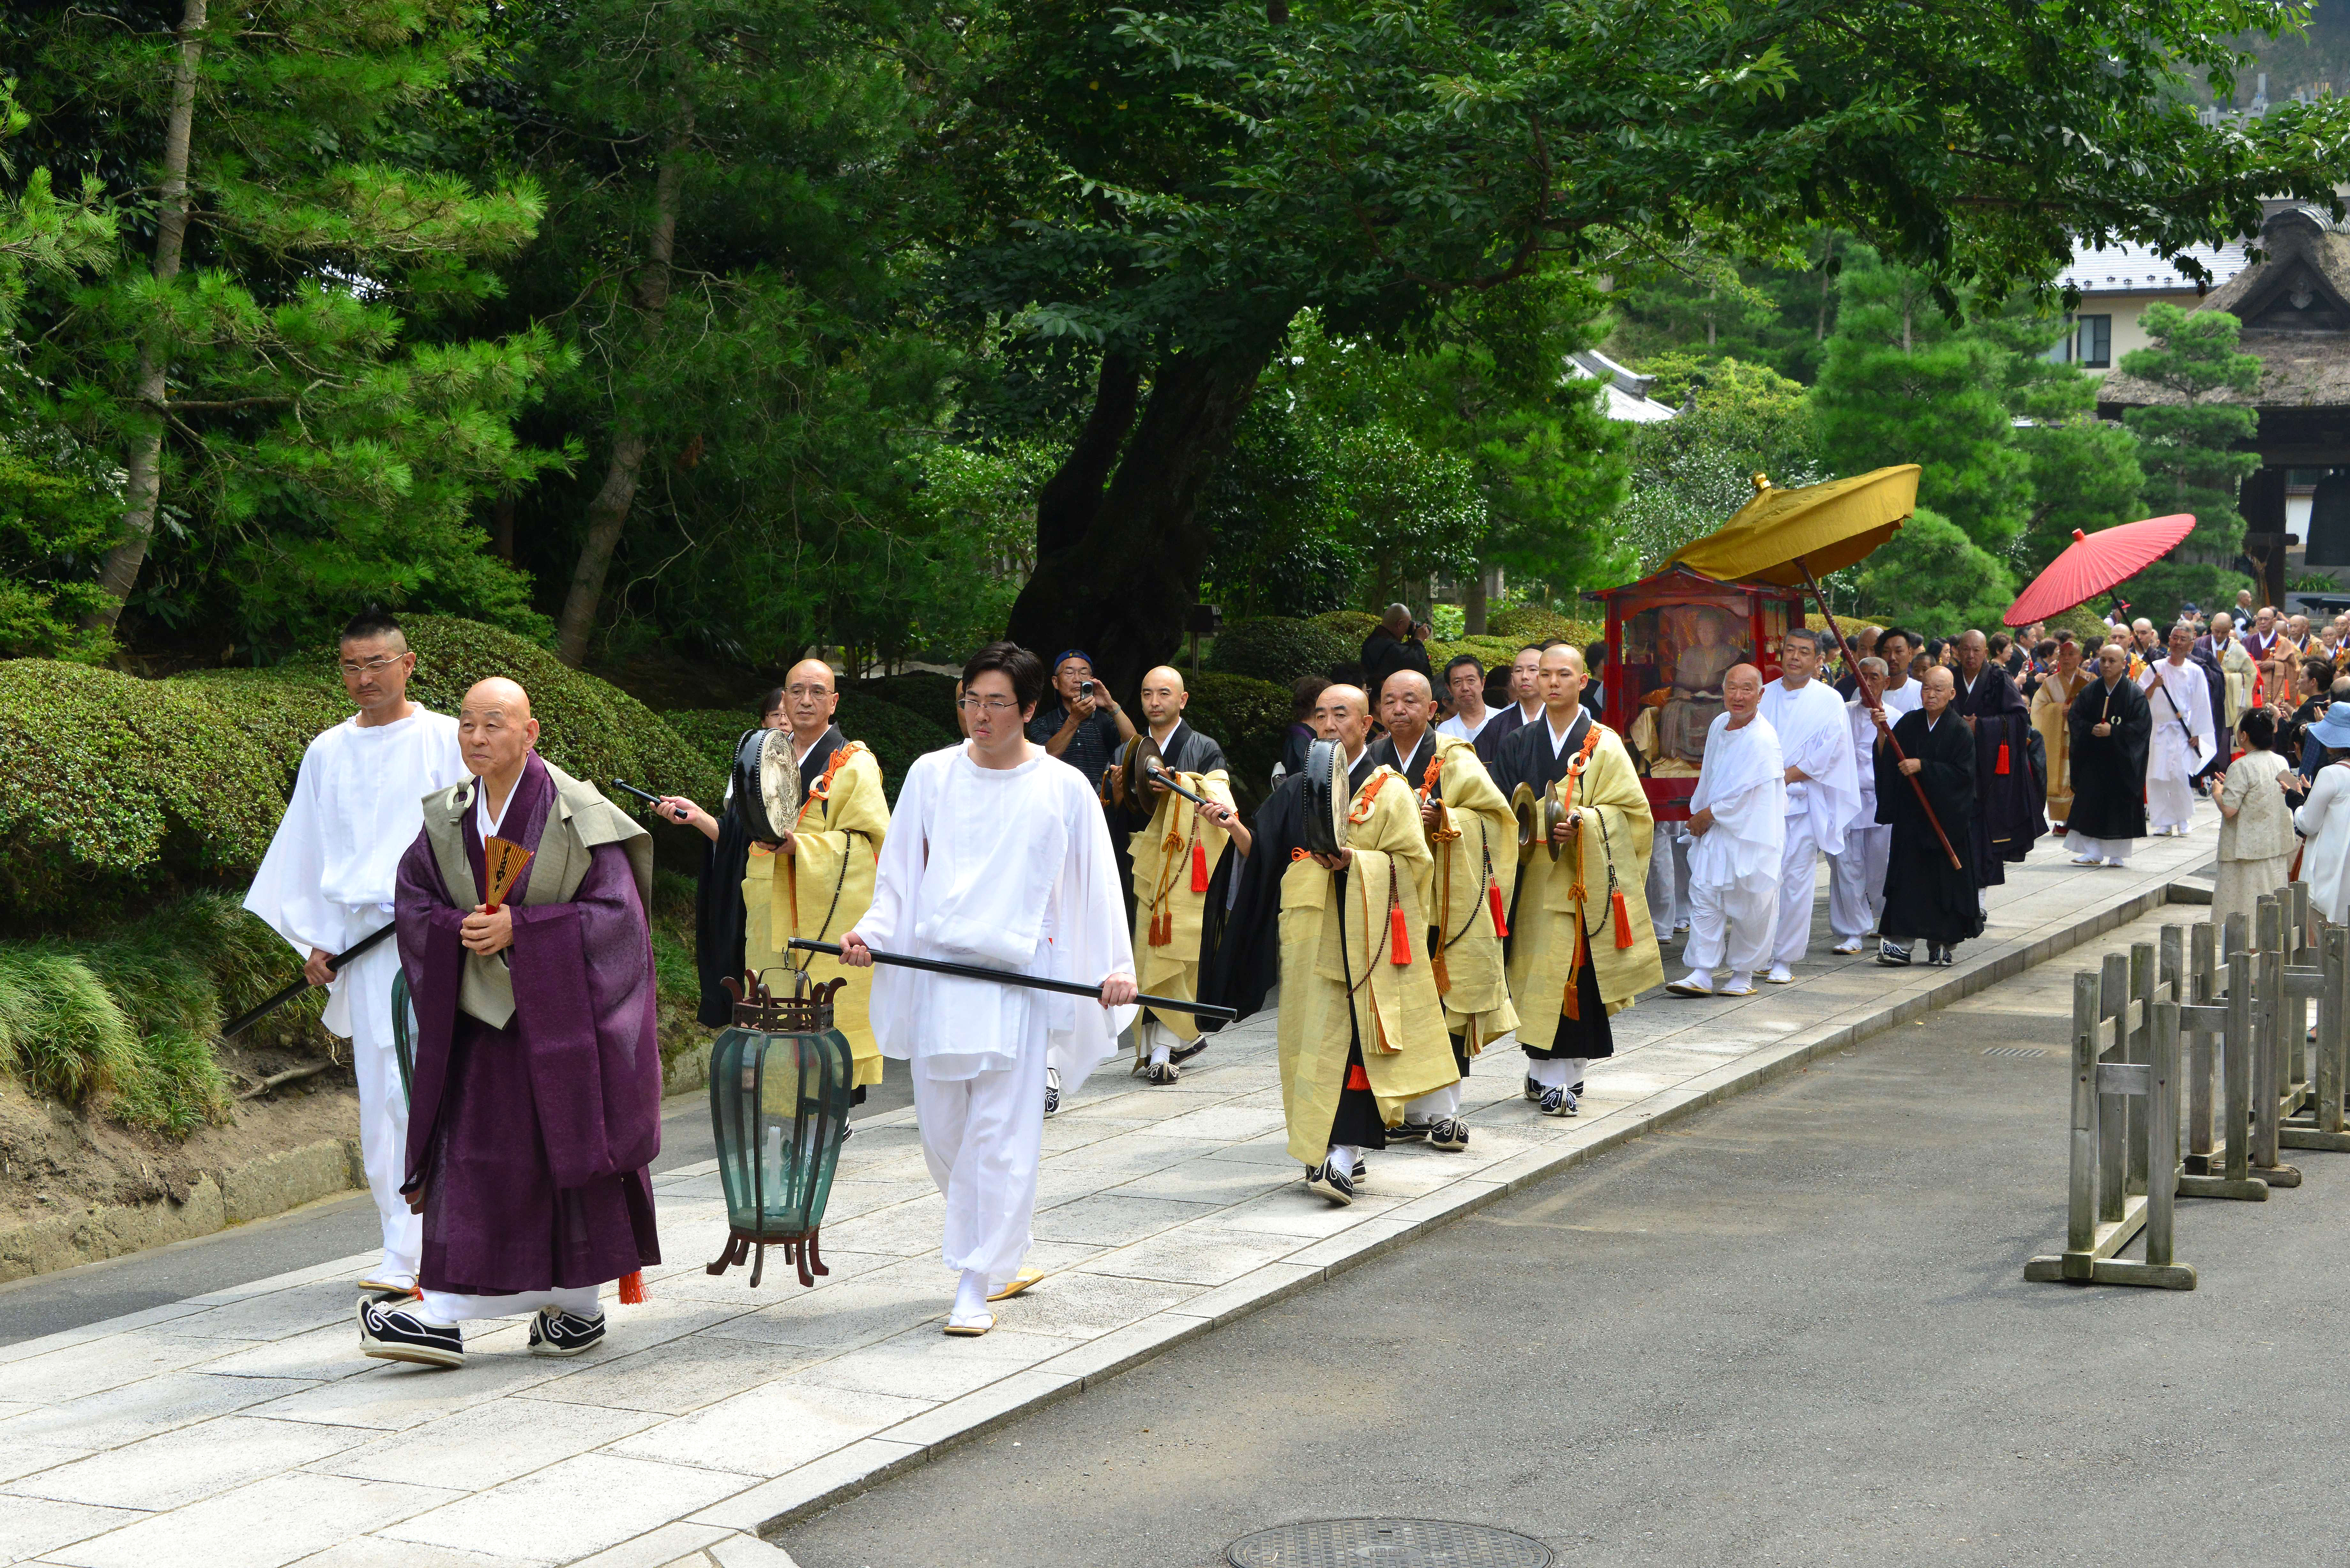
1091, 941
898, 869
287, 892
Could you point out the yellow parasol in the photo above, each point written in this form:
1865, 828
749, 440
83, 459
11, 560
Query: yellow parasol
1789, 536
1785, 536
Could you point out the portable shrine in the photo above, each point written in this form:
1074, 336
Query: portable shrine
780, 1078
1671, 637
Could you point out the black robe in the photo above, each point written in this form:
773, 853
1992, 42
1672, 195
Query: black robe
1383, 752
2012, 796
1926, 896
2109, 773
1244, 960
718, 894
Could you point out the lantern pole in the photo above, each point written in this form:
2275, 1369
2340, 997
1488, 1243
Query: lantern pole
1877, 710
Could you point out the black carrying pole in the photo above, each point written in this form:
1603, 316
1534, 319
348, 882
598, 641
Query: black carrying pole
251, 1017
1033, 981
1163, 777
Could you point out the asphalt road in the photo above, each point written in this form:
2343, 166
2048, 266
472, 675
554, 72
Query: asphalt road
315, 1233
1793, 1331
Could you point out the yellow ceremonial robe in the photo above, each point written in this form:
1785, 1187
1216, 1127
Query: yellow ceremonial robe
1325, 975
1475, 845
820, 890
2049, 706
1556, 897
1168, 912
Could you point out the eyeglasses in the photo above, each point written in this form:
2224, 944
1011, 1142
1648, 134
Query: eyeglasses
807, 692
376, 666
986, 704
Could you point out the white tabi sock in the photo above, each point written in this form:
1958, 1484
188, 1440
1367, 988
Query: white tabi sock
970, 1297
1159, 1053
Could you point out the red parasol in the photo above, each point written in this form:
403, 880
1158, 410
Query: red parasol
2093, 563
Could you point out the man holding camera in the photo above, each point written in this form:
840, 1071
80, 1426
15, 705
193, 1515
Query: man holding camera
1085, 726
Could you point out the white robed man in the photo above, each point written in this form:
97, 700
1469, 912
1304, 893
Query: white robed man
1856, 872
1739, 818
998, 856
1360, 1034
818, 882
1823, 795
2184, 741
1580, 945
1178, 848
1473, 836
1901, 693
329, 880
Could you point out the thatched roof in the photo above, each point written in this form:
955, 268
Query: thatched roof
2296, 310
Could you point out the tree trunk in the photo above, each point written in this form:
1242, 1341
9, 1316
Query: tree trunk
1125, 562
608, 515
144, 486
502, 529
1472, 605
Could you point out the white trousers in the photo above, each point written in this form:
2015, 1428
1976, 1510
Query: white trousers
384, 1103
1799, 872
1558, 1072
2113, 849
442, 1307
1154, 1041
1856, 879
1434, 1106
1733, 925
983, 1138
2170, 802
1669, 878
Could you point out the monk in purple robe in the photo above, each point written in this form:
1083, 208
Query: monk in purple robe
534, 1108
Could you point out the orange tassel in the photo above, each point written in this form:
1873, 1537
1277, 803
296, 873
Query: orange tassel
1436, 962
1399, 938
632, 1288
1493, 897
1571, 1005
1623, 920
2001, 768
1198, 868
1162, 929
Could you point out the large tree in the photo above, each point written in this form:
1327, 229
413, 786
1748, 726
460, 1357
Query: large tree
1170, 187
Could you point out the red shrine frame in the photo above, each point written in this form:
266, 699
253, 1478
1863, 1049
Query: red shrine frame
1654, 625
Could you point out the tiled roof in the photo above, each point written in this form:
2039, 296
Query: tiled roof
2135, 269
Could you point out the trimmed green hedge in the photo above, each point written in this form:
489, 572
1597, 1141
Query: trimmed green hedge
1248, 718
1279, 649
113, 789
925, 693
1523, 624
1355, 626
896, 735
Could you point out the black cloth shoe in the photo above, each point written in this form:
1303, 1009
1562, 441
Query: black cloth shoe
1189, 1048
1558, 1102
557, 1333
1052, 1091
1892, 954
1335, 1185
388, 1332
1162, 1073
1449, 1134
1362, 1173
1534, 1090
1409, 1131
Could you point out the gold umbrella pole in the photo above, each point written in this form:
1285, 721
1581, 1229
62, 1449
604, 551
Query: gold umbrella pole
1877, 710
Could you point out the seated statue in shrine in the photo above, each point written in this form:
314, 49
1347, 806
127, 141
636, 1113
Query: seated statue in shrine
1697, 686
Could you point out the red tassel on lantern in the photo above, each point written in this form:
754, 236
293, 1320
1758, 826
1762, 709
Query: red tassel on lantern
1493, 897
632, 1289
2003, 759
1399, 937
1198, 868
1623, 920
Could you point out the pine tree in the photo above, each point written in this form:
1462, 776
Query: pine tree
248, 359
2189, 451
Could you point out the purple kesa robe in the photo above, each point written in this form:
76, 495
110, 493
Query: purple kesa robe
532, 1141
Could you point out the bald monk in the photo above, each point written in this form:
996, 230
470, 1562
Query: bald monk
534, 1108
1581, 944
1182, 861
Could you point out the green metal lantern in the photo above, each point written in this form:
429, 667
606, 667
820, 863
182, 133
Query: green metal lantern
779, 1086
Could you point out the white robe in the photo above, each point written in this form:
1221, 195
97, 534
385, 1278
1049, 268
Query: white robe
1735, 864
1908, 698
1009, 868
2323, 821
2171, 761
1815, 736
1856, 872
327, 881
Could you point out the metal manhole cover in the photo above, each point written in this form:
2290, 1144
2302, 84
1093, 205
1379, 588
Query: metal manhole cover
1386, 1544
2020, 1052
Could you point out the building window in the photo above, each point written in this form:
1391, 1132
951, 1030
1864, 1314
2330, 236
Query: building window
2094, 336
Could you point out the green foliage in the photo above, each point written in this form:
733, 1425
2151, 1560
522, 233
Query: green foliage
1521, 623
2189, 451
1775, 311
53, 526
897, 735
1250, 718
1689, 473
925, 692
1281, 545
1934, 579
1355, 626
319, 451
41, 231
1902, 384
1279, 650
124, 1020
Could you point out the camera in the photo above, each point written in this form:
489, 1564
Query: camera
1084, 688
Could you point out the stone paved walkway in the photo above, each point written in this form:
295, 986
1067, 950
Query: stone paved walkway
242, 1429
